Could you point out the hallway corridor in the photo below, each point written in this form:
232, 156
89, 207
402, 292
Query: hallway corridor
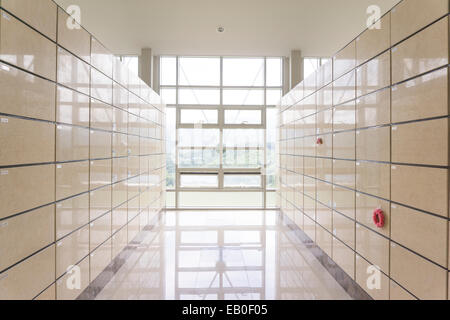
204, 255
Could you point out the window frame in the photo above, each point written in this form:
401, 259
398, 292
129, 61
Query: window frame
221, 125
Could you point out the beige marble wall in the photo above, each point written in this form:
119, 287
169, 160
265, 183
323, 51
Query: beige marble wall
388, 149
82, 153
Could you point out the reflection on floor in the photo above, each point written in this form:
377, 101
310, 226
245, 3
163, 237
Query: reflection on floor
239, 255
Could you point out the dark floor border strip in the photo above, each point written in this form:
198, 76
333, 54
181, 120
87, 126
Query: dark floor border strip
98, 284
344, 280
67, 235
390, 278
81, 260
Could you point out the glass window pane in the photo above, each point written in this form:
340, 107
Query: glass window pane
199, 116
199, 71
242, 181
243, 117
198, 137
310, 66
168, 71
271, 165
169, 95
243, 97
243, 72
170, 146
132, 63
274, 72
198, 158
199, 96
243, 138
273, 97
243, 159
199, 180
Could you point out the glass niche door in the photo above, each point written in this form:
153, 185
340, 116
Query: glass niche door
221, 157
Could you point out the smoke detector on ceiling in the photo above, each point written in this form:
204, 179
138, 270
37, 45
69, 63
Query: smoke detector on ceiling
220, 29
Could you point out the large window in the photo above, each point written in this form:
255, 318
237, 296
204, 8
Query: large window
310, 65
224, 142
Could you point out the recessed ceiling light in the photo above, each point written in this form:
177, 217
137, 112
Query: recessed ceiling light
220, 29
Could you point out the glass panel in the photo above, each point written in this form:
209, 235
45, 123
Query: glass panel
310, 66
273, 97
169, 95
271, 165
198, 137
243, 117
168, 71
198, 158
238, 158
243, 97
243, 138
199, 116
242, 181
194, 96
199, 180
274, 72
199, 71
171, 137
132, 62
243, 72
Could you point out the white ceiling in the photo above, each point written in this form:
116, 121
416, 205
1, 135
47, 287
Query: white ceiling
252, 27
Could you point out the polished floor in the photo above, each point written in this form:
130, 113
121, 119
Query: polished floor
238, 255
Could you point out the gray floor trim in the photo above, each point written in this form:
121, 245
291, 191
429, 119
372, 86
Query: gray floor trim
96, 286
352, 288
